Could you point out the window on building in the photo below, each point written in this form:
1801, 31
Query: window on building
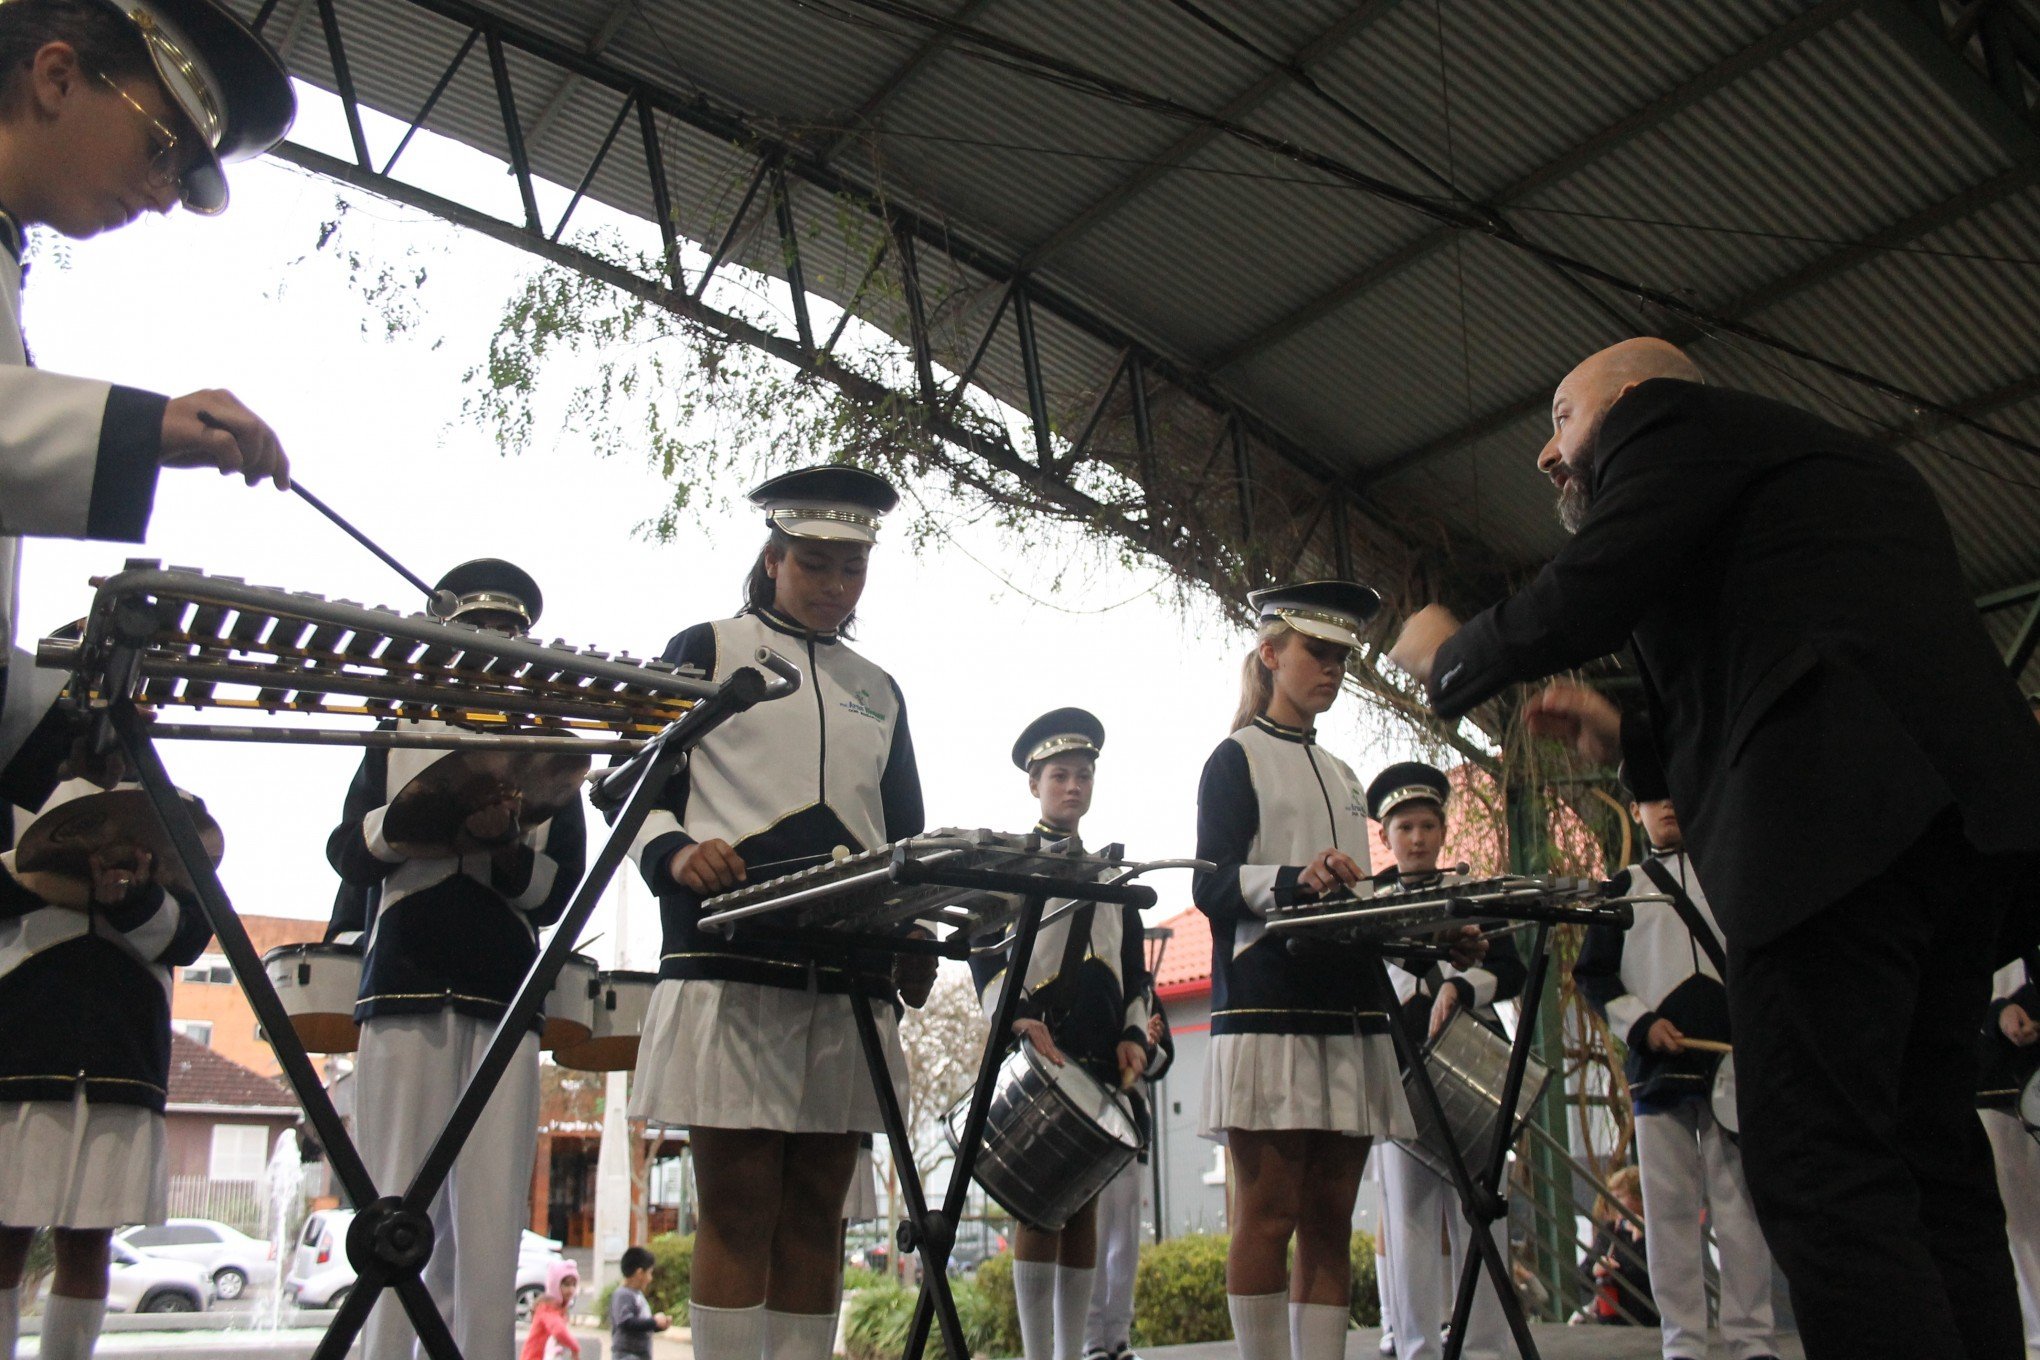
198, 1031
240, 1152
209, 968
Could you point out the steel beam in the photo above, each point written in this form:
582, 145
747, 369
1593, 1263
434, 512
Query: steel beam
1601, 144
499, 72
1949, 210
662, 196
343, 80
595, 166
917, 316
789, 256
897, 80
729, 236
1925, 41
1030, 365
432, 99
1183, 148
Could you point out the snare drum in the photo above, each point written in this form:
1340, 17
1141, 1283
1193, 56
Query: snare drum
1054, 1137
612, 1044
1721, 1099
570, 1006
1468, 1063
318, 985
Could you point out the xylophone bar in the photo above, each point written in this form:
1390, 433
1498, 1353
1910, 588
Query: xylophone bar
395, 740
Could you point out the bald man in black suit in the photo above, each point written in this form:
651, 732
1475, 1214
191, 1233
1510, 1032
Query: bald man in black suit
1860, 786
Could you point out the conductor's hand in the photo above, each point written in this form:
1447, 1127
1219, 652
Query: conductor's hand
213, 429
496, 823
1329, 870
1580, 717
914, 974
2018, 1026
1036, 1033
1425, 631
1468, 947
1664, 1037
1442, 1008
1132, 1062
707, 868
120, 873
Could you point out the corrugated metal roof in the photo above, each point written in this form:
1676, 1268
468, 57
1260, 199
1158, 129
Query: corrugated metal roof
1759, 138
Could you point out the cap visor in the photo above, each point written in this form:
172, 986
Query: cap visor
203, 189
1318, 628
828, 530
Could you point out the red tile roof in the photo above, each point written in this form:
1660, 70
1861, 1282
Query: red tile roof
1185, 968
199, 1076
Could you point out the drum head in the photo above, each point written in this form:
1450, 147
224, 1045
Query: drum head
2029, 1101
1722, 1100
1088, 1096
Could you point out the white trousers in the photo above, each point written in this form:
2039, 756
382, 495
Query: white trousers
1690, 1166
409, 1072
2018, 1172
1415, 1200
1109, 1324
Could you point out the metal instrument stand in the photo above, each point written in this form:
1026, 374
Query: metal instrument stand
1480, 1192
930, 1233
391, 1237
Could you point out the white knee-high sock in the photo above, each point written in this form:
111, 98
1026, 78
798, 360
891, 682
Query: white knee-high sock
10, 1321
1260, 1323
71, 1327
1034, 1292
1073, 1287
727, 1333
799, 1336
1317, 1331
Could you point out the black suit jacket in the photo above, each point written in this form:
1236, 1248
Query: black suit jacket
1817, 679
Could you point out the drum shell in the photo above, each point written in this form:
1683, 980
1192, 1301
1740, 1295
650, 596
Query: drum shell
570, 1005
612, 1045
1044, 1157
2029, 1101
318, 985
1721, 1096
1468, 1063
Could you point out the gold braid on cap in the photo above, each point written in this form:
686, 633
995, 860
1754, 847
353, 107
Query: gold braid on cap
1288, 613
496, 600
844, 516
160, 43
1055, 746
1395, 798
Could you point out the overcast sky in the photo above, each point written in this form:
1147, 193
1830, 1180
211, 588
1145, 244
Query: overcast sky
978, 635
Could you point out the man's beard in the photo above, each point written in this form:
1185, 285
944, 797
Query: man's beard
1576, 496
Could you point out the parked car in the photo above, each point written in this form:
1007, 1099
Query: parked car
231, 1257
320, 1273
154, 1284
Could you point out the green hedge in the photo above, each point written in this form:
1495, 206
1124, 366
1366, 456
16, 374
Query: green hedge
672, 1278
880, 1316
1178, 1298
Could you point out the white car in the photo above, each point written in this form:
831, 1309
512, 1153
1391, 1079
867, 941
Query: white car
154, 1284
320, 1273
233, 1259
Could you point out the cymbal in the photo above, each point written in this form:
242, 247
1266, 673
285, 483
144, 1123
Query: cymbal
427, 814
61, 840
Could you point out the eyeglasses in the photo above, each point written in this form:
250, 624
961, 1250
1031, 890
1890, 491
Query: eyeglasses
164, 171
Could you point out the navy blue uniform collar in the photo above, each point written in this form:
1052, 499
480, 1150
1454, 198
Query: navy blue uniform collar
1286, 733
780, 623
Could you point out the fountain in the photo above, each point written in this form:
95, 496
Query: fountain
283, 1215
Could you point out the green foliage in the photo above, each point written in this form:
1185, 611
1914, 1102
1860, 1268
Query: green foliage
994, 1279
856, 1277
1365, 1306
1179, 1292
880, 1316
672, 1274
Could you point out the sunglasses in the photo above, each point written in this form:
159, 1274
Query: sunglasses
165, 172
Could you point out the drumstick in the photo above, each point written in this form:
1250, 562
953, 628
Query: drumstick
1706, 1045
440, 608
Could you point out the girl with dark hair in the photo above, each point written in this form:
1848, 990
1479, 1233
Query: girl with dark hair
751, 1045
1302, 1073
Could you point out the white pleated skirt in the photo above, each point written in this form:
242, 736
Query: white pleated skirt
862, 1205
1343, 1083
739, 1055
80, 1165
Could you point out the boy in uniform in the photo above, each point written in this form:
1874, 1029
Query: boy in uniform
1658, 984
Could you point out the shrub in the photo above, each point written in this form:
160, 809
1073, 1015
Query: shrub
672, 1275
1179, 1292
856, 1277
1366, 1305
880, 1316
994, 1281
